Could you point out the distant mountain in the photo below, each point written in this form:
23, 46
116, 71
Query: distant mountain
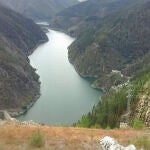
38, 9
110, 34
19, 84
74, 19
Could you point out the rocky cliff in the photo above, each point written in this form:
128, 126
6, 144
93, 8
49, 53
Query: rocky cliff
143, 106
19, 84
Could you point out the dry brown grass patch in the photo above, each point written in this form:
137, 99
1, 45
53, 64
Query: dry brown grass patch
63, 137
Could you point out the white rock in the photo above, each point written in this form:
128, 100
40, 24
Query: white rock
108, 143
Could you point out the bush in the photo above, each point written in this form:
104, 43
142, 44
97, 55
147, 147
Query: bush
138, 124
142, 143
37, 140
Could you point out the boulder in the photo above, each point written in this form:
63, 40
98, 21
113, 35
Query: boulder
108, 143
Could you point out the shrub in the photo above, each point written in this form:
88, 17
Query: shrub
138, 124
37, 140
142, 143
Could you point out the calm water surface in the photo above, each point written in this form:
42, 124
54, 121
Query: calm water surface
65, 96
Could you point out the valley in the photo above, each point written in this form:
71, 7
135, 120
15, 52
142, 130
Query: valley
61, 86
93, 85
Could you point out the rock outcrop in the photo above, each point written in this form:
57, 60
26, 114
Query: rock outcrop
108, 143
143, 110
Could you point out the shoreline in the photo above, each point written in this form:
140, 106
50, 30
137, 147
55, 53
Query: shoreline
40, 42
16, 113
20, 111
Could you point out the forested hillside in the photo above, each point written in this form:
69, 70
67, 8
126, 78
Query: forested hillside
118, 40
111, 35
19, 84
108, 113
77, 18
37, 9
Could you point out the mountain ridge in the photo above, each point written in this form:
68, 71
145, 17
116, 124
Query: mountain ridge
36, 9
19, 84
91, 11
109, 36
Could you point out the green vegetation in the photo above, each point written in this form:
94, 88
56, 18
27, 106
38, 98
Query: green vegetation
86, 40
37, 140
108, 112
117, 36
116, 40
142, 143
138, 124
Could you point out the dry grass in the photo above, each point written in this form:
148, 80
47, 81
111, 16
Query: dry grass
16, 137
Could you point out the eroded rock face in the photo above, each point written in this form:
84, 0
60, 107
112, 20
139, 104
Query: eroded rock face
143, 110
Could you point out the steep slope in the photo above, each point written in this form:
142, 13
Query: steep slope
76, 18
19, 32
114, 79
37, 9
112, 109
114, 42
19, 84
105, 35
